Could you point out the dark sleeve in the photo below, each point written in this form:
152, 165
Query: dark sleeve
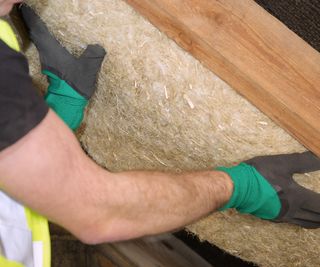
21, 108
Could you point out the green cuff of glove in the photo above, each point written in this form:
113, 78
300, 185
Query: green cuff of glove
65, 101
252, 193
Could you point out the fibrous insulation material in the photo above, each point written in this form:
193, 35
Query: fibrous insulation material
158, 108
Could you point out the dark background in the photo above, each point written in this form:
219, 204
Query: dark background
301, 16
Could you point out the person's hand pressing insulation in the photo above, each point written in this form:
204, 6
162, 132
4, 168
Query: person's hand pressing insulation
71, 79
264, 187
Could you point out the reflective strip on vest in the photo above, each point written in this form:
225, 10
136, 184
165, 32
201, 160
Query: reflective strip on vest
24, 235
15, 236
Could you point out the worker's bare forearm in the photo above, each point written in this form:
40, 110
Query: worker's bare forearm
48, 171
147, 203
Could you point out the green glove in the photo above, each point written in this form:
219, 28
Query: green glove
264, 187
252, 193
71, 80
65, 101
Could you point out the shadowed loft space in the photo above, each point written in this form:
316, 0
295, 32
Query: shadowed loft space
301, 16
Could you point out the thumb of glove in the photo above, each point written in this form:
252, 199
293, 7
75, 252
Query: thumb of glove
93, 51
89, 65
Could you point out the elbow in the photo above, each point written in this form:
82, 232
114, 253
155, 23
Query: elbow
92, 235
89, 238
105, 233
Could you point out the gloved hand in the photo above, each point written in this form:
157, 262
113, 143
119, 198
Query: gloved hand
264, 187
71, 80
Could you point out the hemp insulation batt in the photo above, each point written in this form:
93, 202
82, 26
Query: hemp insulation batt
157, 108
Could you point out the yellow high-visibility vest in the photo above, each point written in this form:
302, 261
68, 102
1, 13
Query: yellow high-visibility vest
24, 235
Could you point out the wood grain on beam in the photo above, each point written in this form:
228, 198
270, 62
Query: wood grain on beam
253, 52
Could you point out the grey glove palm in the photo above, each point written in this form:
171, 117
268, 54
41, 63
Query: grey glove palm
299, 205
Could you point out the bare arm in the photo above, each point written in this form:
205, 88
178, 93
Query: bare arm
48, 171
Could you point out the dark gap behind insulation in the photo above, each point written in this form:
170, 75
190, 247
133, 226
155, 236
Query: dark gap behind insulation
301, 16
